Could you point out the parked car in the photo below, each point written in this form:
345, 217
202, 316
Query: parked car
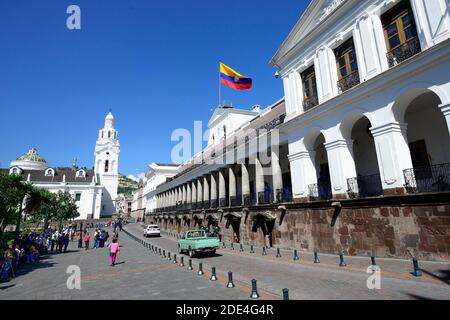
196, 241
152, 230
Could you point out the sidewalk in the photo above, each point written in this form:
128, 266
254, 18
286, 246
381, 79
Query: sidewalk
326, 280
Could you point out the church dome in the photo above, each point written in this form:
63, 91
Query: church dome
32, 155
30, 161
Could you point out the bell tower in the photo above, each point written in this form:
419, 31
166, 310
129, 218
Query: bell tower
107, 151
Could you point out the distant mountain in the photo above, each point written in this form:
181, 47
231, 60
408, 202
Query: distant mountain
126, 186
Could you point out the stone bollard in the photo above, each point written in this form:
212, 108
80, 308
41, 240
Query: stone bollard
213, 274
374, 263
230, 283
190, 265
417, 272
285, 294
254, 294
232, 246
164, 254
241, 248
181, 261
159, 251
278, 253
200, 269
341, 260
296, 257
175, 259
168, 256
264, 252
251, 249
223, 245
316, 257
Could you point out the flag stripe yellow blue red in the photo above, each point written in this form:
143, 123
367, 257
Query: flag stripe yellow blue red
234, 79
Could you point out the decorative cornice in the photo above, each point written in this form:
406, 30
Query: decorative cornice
388, 128
329, 9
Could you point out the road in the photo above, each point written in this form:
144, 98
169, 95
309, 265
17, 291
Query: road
326, 280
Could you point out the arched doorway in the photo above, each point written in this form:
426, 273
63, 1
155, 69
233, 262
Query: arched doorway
233, 220
428, 141
367, 182
321, 190
264, 227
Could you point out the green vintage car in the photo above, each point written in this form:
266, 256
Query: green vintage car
197, 241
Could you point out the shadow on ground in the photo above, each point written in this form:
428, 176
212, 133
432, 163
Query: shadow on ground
442, 275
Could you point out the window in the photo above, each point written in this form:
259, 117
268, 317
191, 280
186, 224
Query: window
400, 33
49, 173
106, 165
81, 174
77, 196
347, 65
309, 88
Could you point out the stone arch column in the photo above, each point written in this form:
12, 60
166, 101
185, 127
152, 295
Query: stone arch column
245, 185
259, 179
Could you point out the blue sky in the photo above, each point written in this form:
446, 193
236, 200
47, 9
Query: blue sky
154, 63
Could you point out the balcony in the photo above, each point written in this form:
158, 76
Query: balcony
364, 186
223, 202
348, 81
403, 52
310, 102
236, 201
434, 178
317, 192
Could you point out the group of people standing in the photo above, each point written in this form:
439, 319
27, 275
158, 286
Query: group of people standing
100, 239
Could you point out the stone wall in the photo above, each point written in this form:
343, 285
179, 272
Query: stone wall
395, 226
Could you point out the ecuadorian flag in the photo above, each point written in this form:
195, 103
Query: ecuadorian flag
233, 79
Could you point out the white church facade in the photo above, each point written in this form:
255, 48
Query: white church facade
93, 190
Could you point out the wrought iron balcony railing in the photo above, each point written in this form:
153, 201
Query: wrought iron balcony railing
435, 178
319, 191
403, 52
364, 186
349, 81
223, 202
236, 201
310, 102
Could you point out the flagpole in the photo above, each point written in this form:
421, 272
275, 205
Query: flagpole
220, 87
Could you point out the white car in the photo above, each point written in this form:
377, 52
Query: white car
152, 230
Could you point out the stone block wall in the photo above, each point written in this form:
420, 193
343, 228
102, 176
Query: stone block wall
399, 227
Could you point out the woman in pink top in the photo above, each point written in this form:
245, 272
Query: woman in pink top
113, 251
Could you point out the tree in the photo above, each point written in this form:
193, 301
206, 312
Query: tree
18, 198
62, 207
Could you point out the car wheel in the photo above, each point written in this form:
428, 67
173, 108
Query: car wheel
213, 252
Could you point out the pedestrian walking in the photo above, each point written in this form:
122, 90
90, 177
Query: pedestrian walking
114, 250
87, 237
66, 242
96, 239
53, 242
80, 239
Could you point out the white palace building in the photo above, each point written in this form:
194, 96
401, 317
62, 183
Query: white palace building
362, 161
94, 190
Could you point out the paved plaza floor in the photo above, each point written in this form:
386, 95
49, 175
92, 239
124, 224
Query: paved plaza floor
142, 274
137, 275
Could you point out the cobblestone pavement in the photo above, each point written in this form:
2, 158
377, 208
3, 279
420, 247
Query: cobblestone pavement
137, 275
326, 280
